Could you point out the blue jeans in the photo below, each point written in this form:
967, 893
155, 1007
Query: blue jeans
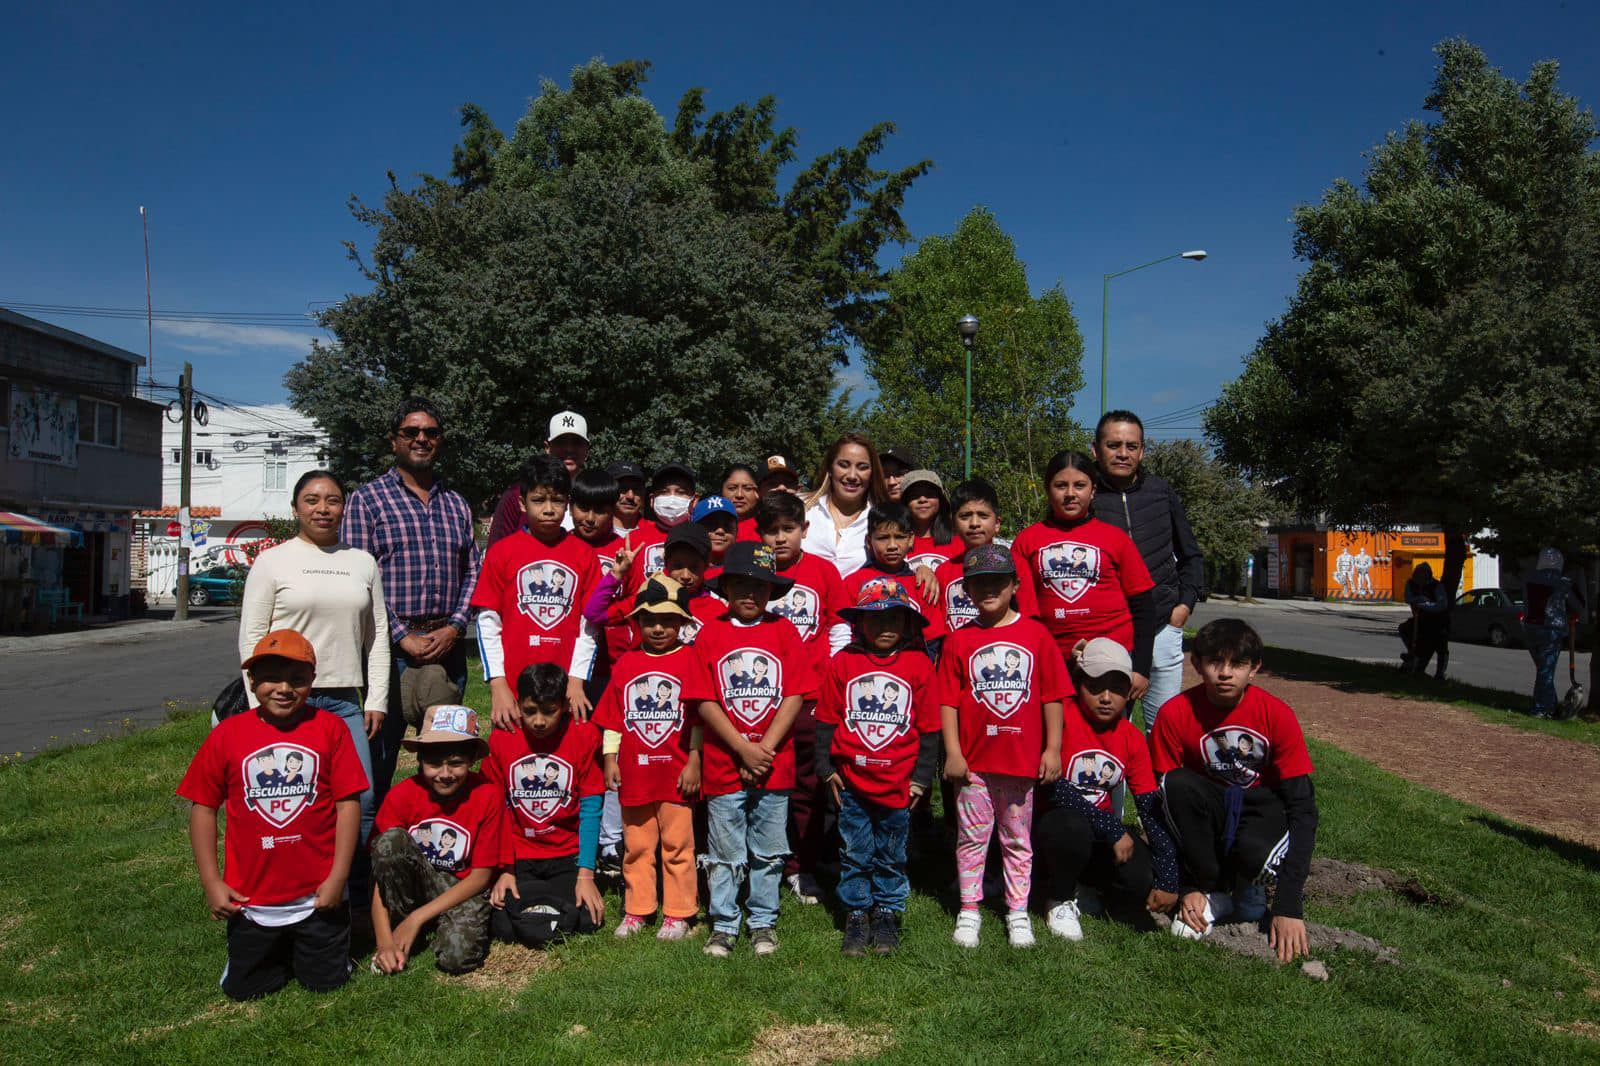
1166, 672
748, 833
1544, 644
872, 862
346, 703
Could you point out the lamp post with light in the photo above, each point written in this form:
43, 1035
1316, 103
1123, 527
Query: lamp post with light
1196, 256
967, 326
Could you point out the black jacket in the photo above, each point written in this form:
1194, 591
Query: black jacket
1151, 513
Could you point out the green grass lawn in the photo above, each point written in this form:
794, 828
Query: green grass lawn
108, 955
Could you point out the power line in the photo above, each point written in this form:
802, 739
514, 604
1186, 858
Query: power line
285, 319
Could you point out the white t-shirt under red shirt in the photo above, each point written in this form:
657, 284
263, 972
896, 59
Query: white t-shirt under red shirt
538, 590
277, 788
1259, 742
812, 603
880, 706
456, 835
1081, 578
998, 678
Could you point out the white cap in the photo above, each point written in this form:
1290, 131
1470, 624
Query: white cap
568, 422
1102, 656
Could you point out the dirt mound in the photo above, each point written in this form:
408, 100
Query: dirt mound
506, 972
816, 1044
1335, 879
1250, 940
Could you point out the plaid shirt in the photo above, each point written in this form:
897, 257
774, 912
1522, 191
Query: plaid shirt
425, 551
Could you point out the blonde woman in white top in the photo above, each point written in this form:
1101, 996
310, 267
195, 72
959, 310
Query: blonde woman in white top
836, 512
332, 594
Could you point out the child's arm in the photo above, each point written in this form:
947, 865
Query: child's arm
586, 895
584, 652
391, 956
1050, 761
387, 958
955, 763
927, 761
1288, 935
689, 779
756, 759
611, 745
788, 711
221, 901
502, 699
822, 761
347, 828
1163, 853
599, 605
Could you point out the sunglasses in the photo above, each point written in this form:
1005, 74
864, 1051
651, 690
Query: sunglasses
425, 432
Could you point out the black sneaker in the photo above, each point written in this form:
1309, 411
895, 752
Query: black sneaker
855, 934
763, 941
885, 932
720, 946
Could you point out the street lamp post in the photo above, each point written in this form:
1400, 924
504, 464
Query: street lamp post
967, 326
1105, 306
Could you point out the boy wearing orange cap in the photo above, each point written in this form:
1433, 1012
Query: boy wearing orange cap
290, 836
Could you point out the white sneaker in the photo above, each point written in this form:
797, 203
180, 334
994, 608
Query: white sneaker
1250, 903
1019, 929
1063, 921
804, 887
967, 925
1181, 928
1089, 901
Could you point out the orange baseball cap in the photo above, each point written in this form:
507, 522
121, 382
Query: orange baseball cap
283, 644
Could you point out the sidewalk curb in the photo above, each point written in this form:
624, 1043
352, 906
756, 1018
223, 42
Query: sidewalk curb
129, 633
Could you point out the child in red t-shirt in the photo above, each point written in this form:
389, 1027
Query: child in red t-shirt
759, 673
530, 596
291, 784
812, 604
652, 759
889, 540
686, 551
1085, 577
1002, 684
436, 842
548, 770
1236, 779
1079, 831
976, 507
715, 515
877, 740
934, 540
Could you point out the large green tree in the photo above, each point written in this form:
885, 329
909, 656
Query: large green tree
1440, 361
1226, 512
1028, 362
654, 278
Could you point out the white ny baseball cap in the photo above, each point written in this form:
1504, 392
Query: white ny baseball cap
568, 422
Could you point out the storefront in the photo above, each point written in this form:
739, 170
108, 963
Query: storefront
1355, 565
32, 562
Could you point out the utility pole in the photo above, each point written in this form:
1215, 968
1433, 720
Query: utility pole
185, 528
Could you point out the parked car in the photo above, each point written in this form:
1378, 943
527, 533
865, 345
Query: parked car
1493, 616
220, 584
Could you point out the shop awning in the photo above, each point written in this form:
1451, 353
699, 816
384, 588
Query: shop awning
22, 529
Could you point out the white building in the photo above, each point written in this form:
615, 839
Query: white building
245, 463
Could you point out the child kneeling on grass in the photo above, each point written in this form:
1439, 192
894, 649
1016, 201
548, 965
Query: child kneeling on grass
548, 771
1079, 834
1002, 683
1236, 782
652, 759
436, 843
877, 741
291, 830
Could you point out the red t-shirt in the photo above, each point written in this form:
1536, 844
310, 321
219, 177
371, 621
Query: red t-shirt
1095, 762
750, 670
881, 706
622, 631
1259, 742
1082, 578
645, 702
908, 581
277, 788
999, 679
747, 530
542, 781
953, 599
924, 552
649, 544
457, 835
538, 590
812, 603
605, 550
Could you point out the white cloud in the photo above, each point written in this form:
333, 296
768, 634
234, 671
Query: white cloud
232, 337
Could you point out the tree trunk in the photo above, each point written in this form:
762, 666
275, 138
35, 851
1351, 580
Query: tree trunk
1455, 561
1591, 581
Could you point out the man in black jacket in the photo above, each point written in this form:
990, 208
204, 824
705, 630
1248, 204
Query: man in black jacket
1148, 509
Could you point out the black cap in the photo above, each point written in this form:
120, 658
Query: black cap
671, 468
900, 455
692, 534
625, 469
747, 558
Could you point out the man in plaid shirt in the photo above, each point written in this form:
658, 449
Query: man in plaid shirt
421, 533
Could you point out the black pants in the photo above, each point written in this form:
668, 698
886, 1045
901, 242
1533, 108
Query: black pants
812, 823
262, 958
1065, 841
1197, 811
1425, 640
544, 909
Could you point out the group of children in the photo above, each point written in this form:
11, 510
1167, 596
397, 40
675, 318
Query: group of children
723, 689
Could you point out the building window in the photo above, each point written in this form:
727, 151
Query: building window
274, 475
99, 423
177, 456
202, 457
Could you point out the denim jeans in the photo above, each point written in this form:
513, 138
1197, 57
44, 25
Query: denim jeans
872, 860
748, 834
1166, 672
1544, 644
346, 703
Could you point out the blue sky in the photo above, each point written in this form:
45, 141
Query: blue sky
1100, 139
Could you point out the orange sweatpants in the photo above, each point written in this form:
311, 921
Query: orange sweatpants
671, 826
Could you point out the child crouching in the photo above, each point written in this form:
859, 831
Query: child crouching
877, 740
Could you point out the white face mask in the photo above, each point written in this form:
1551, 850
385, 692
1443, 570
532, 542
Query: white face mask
670, 510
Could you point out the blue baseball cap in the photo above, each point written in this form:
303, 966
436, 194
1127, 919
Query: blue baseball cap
711, 505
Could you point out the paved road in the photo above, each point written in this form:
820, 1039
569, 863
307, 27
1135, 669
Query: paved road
51, 693
1368, 634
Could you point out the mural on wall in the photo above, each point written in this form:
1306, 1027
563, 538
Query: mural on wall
44, 426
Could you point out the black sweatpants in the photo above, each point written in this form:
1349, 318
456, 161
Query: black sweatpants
1197, 811
544, 909
1065, 841
261, 958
